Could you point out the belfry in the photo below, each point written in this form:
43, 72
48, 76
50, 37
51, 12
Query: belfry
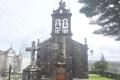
59, 57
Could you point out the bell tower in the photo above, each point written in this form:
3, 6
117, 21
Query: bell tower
59, 57
61, 20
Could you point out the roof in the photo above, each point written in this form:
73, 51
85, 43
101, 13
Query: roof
47, 43
2, 52
79, 44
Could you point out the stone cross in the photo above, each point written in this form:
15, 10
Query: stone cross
32, 50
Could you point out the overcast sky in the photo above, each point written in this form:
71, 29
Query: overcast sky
22, 21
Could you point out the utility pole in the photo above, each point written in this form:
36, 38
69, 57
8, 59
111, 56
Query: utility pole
9, 72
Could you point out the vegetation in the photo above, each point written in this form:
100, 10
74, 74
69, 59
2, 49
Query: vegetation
101, 66
109, 15
97, 77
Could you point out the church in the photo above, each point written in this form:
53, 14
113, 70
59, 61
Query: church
59, 57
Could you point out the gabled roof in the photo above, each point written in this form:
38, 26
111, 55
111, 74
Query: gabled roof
10, 49
47, 43
79, 44
2, 52
44, 42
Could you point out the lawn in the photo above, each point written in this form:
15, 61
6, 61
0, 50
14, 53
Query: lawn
97, 77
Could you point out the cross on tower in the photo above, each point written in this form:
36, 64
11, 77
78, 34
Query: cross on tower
32, 49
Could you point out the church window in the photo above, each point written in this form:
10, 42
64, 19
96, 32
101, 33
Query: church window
57, 26
65, 23
57, 23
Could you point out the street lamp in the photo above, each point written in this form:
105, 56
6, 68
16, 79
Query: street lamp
9, 72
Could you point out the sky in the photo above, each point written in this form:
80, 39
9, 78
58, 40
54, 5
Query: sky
22, 21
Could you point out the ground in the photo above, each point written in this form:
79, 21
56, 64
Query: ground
97, 77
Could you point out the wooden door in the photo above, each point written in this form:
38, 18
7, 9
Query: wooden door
60, 72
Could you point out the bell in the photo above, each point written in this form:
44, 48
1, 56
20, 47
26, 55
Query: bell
57, 24
65, 23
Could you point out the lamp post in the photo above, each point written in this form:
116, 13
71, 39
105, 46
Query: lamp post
9, 72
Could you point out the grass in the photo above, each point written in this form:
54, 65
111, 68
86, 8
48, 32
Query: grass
97, 77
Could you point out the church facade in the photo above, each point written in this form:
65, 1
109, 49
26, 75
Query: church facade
60, 53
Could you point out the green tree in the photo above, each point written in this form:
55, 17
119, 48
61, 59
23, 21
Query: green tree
101, 66
108, 12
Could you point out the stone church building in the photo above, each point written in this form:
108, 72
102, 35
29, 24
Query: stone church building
59, 57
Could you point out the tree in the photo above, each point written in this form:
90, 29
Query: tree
108, 12
101, 66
